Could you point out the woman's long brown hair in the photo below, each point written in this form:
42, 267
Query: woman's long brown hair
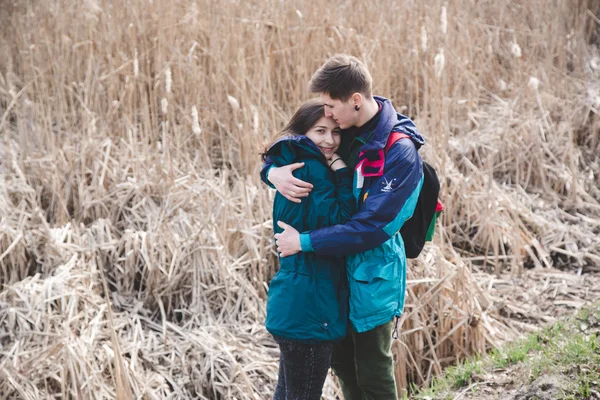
303, 119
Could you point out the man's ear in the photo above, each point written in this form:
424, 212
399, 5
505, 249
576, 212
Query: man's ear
357, 100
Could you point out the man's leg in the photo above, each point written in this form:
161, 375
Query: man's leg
343, 365
374, 363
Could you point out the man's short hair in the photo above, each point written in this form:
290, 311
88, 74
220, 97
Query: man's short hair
340, 77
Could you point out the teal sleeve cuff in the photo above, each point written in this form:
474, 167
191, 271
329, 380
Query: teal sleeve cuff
267, 175
343, 173
305, 243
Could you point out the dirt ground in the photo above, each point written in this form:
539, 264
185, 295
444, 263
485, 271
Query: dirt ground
536, 299
508, 385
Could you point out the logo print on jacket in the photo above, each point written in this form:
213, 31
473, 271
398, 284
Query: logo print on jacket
387, 186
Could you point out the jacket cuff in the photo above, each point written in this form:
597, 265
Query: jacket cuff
305, 243
267, 181
343, 173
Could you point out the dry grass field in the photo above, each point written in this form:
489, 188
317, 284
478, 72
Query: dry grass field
135, 234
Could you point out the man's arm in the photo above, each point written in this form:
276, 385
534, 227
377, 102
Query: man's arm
281, 179
390, 202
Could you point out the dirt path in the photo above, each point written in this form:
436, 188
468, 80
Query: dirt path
529, 303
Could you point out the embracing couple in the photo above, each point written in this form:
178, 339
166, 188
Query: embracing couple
344, 190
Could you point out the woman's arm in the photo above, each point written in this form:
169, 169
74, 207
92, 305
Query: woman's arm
331, 201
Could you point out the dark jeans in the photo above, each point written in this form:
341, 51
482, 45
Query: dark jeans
302, 369
364, 365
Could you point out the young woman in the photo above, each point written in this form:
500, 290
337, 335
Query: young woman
307, 304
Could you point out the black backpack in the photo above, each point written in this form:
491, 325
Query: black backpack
420, 228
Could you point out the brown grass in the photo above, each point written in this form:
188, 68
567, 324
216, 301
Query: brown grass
104, 172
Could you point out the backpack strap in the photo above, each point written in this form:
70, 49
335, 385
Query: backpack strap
393, 138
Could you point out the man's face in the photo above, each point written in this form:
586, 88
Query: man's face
343, 113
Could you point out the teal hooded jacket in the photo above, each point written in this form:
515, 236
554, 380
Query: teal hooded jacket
308, 297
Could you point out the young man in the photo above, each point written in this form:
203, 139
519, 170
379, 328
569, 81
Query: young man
387, 183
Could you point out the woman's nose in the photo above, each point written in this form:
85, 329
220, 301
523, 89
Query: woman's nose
328, 137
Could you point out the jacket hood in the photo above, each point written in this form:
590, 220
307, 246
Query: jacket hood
392, 121
289, 149
371, 158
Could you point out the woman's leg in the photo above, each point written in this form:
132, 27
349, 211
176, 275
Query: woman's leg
304, 367
280, 388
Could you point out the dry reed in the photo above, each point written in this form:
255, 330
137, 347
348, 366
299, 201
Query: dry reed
128, 156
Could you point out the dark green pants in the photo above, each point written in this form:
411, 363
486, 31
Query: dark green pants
364, 365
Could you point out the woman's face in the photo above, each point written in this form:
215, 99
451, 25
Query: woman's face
326, 135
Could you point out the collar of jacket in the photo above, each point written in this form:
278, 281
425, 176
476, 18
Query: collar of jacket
371, 158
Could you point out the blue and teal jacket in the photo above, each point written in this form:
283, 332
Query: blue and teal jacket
386, 187
308, 297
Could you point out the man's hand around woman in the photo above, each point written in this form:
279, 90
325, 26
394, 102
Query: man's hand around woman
288, 241
289, 186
